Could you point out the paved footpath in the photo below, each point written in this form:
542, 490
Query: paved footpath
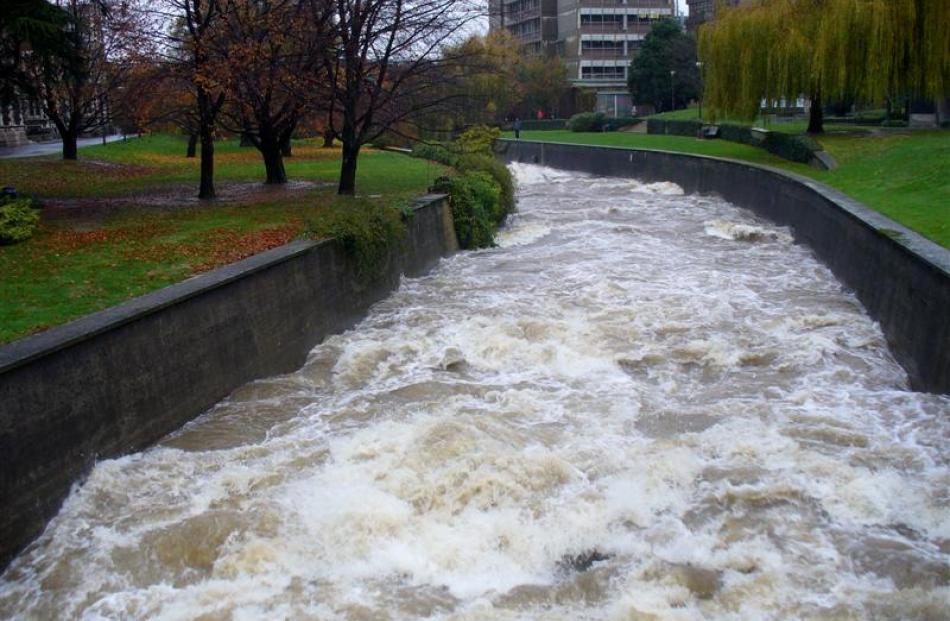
48, 148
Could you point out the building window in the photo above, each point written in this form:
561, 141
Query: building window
603, 73
613, 46
599, 19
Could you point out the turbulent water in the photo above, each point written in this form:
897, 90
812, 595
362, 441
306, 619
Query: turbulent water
642, 405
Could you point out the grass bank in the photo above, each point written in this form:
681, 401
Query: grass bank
903, 174
123, 221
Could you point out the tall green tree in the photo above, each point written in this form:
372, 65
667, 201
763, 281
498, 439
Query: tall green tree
543, 80
665, 49
826, 50
485, 77
494, 78
28, 28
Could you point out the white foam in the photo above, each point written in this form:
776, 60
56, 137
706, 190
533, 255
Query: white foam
744, 232
715, 427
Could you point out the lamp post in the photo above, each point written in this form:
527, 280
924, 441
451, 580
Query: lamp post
672, 91
699, 65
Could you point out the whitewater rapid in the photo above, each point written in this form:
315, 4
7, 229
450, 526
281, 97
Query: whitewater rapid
641, 405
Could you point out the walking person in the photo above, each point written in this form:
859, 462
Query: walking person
517, 128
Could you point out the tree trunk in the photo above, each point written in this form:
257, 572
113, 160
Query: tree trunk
70, 146
273, 164
816, 118
328, 139
192, 145
206, 187
286, 148
351, 152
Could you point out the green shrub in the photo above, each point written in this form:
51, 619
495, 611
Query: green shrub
792, 147
674, 127
367, 232
483, 194
477, 139
586, 122
18, 220
736, 133
499, 174
471, 197
435, 152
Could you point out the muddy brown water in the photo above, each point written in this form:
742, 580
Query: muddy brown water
641, 405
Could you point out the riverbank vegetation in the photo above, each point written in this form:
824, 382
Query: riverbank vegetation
123, 221
481, 189
902, 174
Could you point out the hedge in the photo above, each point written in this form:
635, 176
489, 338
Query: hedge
791, 147
586, 122
736, 133
674, 127
599, 122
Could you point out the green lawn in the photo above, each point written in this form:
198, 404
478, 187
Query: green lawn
159, 234
158, 162
903, 174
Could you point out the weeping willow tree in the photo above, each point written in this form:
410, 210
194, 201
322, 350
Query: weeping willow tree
872, 50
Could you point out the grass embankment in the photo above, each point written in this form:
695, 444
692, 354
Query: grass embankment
152, 231
778, 124
903, 174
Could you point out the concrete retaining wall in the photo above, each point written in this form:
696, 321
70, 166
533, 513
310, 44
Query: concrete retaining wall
117, 381
902, 279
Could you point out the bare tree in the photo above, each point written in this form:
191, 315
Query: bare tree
271, 53
389, 66
196, 26
101, 45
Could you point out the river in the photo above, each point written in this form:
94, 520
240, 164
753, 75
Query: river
641, 405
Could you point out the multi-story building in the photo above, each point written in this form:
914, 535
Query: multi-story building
596, 39
12, 125
22, 119
533, 22
702, 11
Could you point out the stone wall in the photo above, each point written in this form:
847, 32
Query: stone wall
902, 279
116, 381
